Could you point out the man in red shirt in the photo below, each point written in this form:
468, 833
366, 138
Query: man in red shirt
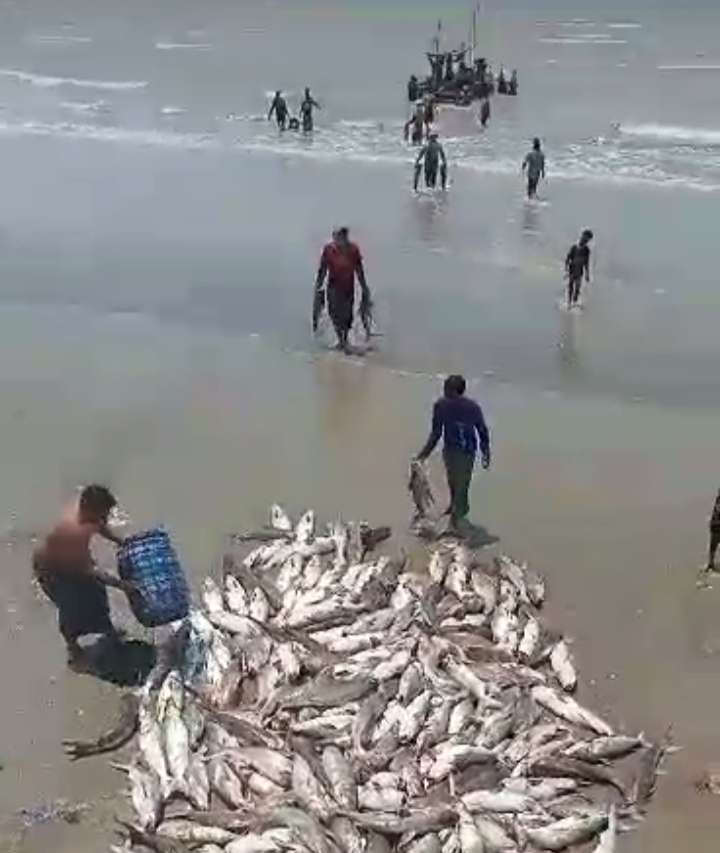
340, 262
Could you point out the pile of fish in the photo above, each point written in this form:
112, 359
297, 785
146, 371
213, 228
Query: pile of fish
326, 700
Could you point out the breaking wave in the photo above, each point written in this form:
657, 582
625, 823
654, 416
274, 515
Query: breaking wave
605, 163
45, 81
673, 133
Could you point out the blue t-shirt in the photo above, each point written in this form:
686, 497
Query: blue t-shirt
460, 421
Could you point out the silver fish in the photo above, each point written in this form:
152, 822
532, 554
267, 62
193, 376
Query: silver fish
563, 666
530, 639
198, 783
485, 588
541, 790
456, 579
507, 802
305, 529
272, 841
176, 739
497, 727
342, 779
413, 717
225, 783
471, 840
259, 606
572, 768
450, 757
270, 763
380, 799
308, 790
150, 739
494, 836
263, 787
279, 519
146, 795
211, 595
312, 572
429, 843
570, 710
566, 832
462, 712
188, 832
347, 835
438, 566
605, 748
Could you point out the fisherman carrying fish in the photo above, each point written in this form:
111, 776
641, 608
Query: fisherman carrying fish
416, 124
66, 572
306, 111
279, 107
460, 421
341, 262
433, 155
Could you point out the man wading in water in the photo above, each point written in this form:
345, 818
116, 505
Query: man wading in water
65, 570
341, 261
534, 164
577, 264
461, 422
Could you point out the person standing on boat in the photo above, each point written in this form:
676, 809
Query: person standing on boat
413, 89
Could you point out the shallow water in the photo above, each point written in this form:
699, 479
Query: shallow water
158, 243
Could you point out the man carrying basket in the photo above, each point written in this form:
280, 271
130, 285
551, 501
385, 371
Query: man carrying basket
66, 572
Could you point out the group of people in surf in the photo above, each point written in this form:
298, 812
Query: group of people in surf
285, 121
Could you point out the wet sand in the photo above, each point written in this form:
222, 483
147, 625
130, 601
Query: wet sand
608, 499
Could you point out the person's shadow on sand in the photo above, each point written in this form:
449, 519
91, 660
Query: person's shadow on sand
126, 663
472, 535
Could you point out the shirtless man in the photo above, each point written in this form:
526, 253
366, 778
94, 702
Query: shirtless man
66, 572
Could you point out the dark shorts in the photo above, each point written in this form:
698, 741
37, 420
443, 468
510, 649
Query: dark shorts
341, 305
82, 604
533, 184
431, 174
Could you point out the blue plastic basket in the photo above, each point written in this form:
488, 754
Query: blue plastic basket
148, 560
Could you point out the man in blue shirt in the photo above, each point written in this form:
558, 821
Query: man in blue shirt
461, 422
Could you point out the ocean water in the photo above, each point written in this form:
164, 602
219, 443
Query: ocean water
158, 246
144, 134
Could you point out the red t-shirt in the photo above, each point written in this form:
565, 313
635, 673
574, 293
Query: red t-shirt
342, 262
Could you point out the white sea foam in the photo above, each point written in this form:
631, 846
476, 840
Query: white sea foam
73, 130
578, 40
624, 25
672, 133
688, 67
172, 111
182, 45
60, 40
85, 107
45, 81
607, 166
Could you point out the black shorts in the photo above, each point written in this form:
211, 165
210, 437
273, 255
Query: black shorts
341, 306
82, 604
431, 174
533, 184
